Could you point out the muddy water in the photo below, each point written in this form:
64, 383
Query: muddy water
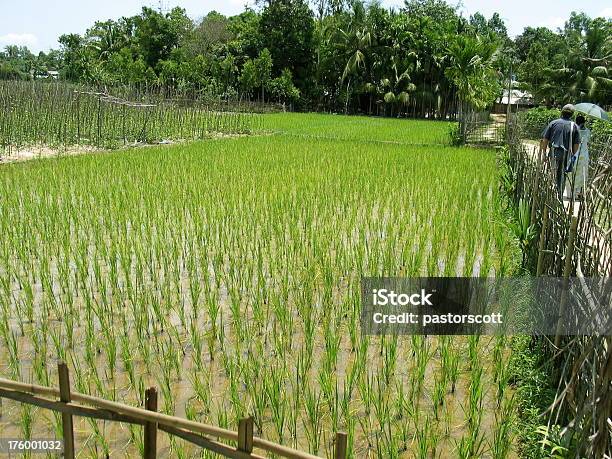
94, 376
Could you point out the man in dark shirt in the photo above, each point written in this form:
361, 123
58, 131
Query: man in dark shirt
563, 138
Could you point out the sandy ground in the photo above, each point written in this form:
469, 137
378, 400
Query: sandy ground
27, 154
39, 152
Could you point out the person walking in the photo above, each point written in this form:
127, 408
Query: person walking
563, 139
578, 168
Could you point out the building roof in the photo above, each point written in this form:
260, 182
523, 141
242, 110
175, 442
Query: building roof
517, 97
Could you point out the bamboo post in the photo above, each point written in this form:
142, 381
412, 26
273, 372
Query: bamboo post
150, 428
536, 194
341, 442
99, 120
123, 123
78, 101
245, 435
542, 243
67, 426
567, 271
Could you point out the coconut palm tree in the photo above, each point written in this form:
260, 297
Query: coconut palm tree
587, 73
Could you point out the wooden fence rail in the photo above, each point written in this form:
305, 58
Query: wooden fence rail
206, 436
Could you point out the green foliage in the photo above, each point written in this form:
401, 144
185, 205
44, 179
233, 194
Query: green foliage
283, 89
454, 133
572, 65
354, 57
530, 372
225, 56
472, 69
523, 230
534, 121
552, 442
287, 30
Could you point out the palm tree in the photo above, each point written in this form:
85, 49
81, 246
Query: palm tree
357, 43
471, 69
397, 89
586, 73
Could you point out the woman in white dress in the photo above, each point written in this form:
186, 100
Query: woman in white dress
579, 169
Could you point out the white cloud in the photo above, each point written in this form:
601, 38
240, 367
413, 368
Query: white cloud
19, 39
605, 13
553, 23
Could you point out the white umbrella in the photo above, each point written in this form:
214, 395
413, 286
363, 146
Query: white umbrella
592, 110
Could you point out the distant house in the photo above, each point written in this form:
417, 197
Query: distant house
518, 100
45, 74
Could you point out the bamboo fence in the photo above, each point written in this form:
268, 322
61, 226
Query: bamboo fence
61, 399
574, 240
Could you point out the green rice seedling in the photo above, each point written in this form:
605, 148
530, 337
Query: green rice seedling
136, 437
177, 448
475, 398
110, 345
470, 445
453, 368
277, 400
313, 418
200, 382
424, 440
389, 355
99, 439
238, 406
199, 261
438, 395
293, 413
504, 430
350, 441
222, 415
420, 347
365, 386
13, 354
473, 341
27, 419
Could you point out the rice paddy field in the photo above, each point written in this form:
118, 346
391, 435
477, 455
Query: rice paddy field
226, 273
358, 128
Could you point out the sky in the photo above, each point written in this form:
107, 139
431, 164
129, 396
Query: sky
37, 24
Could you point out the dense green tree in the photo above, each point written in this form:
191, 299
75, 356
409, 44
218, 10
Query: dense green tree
76, 66
287, 30
210, 34
339, 55
157, 35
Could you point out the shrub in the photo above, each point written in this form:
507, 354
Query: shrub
534, 121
